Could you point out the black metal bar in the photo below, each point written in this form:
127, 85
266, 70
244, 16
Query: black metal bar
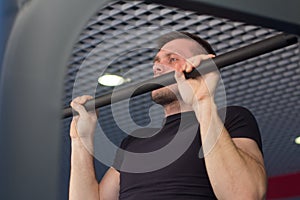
229, 58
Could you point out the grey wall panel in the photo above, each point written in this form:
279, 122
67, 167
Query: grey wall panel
34, 66
8, 11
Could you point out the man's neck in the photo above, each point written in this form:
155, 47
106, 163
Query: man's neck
176, 107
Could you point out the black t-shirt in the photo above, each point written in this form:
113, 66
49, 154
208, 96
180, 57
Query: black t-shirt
176, 169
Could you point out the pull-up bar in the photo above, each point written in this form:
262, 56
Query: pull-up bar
226, 59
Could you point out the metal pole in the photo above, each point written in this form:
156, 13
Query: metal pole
229, 58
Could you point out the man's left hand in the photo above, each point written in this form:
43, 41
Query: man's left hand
194, 90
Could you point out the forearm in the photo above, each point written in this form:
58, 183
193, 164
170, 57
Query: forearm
83, 183
232, 172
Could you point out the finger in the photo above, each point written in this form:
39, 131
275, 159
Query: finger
82, 99
189, 67
79, 108
206, 56
196, 60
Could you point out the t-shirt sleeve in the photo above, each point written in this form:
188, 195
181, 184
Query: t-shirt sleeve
240, 123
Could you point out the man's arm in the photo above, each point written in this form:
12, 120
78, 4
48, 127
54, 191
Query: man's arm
235, 166
110, 185
83, 182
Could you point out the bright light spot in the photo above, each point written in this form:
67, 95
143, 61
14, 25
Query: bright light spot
297, 140
111, 80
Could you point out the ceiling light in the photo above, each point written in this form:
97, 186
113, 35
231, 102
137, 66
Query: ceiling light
111, 80
297, 140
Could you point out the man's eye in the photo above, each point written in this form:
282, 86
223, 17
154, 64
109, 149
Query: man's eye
173, 59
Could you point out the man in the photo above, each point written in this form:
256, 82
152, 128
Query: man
232, 165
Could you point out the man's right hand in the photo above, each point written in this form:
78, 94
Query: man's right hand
83, 125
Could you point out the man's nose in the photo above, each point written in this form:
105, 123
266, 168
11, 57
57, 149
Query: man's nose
157, 68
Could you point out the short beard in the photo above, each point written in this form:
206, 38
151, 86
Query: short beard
164, 96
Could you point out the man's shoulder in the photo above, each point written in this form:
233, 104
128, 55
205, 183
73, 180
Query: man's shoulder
236, 116
241, 123
234, 109
231, 111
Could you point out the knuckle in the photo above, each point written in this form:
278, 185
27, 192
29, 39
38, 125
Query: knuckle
76, 99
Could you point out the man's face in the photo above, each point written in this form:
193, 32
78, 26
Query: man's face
172, 54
